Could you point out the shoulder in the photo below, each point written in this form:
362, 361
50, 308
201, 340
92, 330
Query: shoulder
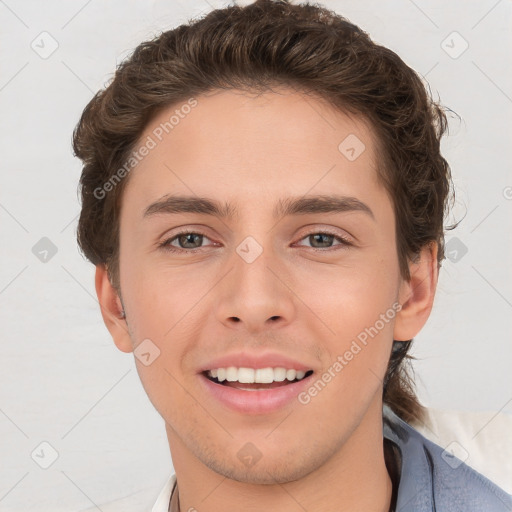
432, 478
457, 483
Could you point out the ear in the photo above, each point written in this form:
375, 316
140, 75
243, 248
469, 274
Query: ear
417, 295
111, 308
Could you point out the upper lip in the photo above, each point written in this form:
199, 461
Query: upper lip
246, 360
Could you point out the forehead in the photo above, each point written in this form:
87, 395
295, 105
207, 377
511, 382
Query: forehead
281, 116
246, 145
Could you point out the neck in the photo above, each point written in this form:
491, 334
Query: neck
353, 478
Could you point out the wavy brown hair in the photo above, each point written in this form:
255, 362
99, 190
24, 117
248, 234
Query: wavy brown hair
267, 43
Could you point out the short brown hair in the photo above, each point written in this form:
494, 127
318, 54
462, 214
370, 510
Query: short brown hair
268, 43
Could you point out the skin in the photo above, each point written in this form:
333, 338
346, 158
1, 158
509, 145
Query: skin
252, 150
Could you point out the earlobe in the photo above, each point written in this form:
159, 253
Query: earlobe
417, 295
111, 310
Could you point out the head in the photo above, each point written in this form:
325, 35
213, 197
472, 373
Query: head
247, 106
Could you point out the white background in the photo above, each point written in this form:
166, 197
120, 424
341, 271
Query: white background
62, 379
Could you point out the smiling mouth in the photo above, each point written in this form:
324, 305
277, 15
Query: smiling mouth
255, 385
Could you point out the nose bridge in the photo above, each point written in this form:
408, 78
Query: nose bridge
253, 294
252, 275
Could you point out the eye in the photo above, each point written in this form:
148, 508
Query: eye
323, 240
185, 240
191, 241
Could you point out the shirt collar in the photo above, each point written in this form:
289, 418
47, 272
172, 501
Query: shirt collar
163, 501
416, 479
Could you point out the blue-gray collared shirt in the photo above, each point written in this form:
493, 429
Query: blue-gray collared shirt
431, 479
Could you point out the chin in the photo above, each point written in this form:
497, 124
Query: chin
280, 470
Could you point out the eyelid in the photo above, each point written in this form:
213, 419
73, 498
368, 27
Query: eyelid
344, 240
313, 229
166, 243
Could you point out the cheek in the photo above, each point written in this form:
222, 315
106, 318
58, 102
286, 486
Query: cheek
355, 309
161, 296
350, 298
358, 351
165, 320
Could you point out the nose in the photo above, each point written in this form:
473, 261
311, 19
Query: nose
254, 295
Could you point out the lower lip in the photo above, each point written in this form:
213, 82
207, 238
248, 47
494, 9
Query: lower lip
255, 402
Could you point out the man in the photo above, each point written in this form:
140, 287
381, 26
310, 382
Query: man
263, 198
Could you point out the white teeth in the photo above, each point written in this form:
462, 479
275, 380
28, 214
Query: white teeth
279, 374
231, 374
260, 375
245, 375
264, 375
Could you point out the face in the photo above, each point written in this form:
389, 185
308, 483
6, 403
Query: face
293, 265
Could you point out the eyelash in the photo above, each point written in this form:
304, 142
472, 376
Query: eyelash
165, 245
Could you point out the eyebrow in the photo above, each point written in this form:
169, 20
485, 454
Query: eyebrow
170, 204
